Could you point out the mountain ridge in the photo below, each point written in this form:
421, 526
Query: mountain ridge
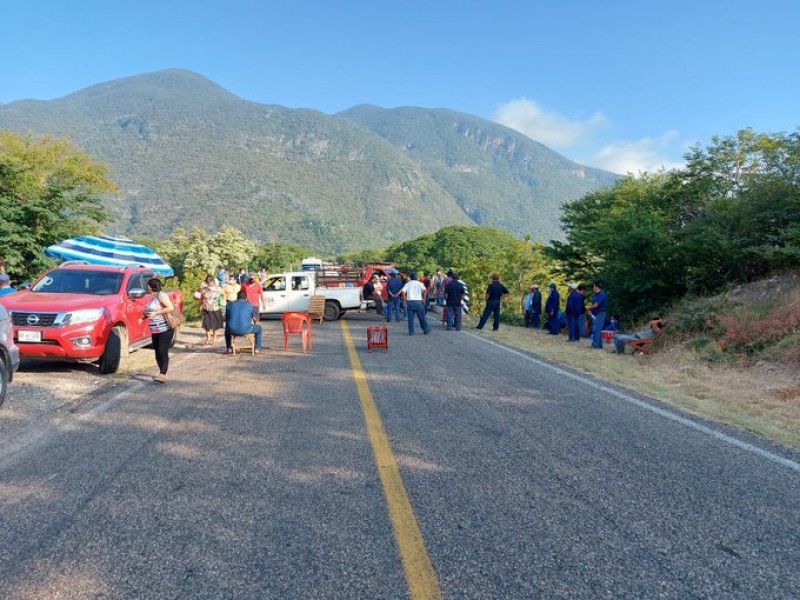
186, 152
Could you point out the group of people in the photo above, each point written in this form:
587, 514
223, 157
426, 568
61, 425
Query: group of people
409, 297
231, 301
574, 315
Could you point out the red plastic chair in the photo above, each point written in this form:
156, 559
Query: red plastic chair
299, 323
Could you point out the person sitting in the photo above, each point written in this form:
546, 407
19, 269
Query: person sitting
612, 324
241, 318
653, 329
5, 284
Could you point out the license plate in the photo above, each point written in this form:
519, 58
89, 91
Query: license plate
29, 336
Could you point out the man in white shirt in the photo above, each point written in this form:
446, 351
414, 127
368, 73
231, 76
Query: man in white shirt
414, 294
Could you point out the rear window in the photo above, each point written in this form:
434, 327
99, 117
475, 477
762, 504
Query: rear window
69, 281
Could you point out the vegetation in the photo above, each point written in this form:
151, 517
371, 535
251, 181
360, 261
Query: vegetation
731, 215
50, 190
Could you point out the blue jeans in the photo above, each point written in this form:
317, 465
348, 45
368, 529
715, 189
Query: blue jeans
412, 307
582, 324
254, 329
453, 317
553, 325
393, 305
597, 330
573, 328
493, 308
537, 320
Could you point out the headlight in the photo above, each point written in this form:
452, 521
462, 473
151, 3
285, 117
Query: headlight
82, 316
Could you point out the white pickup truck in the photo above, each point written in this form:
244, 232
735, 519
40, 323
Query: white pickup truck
283, 292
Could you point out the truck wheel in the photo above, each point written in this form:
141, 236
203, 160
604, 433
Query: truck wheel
341, 314
332, 310
110, 359
3, 380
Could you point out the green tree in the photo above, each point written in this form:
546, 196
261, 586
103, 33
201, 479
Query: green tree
279, 257
50, 190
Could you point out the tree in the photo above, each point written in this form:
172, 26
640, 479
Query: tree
50, 190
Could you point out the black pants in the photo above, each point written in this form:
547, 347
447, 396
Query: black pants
161, 342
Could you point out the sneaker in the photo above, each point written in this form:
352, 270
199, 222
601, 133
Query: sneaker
427, 331
160, 378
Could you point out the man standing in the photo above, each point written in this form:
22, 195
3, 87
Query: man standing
414, 294
574, 310
454, 294
598, 312
393, 288
495, 292
551, 308
253, 289
532, 307
241, 318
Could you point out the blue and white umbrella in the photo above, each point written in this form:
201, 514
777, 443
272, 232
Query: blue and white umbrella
107, 250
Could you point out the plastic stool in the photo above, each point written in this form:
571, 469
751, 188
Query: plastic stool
377, 337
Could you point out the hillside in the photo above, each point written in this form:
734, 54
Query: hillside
497, 176
186, 152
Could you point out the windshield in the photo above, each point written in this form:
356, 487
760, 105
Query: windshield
63, 281
275, 284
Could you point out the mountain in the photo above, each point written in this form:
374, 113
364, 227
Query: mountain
184, 152
496, 175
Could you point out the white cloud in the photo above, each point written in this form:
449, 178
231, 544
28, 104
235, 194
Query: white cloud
547, 127
647, 154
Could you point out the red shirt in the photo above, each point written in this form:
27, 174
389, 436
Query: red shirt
253, 292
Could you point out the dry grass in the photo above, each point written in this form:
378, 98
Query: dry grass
761, 398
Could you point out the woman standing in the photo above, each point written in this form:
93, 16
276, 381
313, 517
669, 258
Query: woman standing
210, 309
159, 305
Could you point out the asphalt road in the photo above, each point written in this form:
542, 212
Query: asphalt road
255, 477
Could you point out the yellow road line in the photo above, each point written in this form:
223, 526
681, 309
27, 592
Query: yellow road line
423, 584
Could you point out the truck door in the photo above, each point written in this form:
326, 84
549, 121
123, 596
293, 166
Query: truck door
299, 295
275, 296
134, 308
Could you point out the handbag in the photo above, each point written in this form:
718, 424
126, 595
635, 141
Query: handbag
174, 318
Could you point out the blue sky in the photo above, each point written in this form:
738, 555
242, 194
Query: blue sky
622, 85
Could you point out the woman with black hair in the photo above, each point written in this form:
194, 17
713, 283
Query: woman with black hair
158, 306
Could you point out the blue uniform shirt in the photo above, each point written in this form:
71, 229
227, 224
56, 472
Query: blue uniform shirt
239, 316
600, 299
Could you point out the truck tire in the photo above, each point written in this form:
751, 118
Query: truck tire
112, 355
3, 380
332, 310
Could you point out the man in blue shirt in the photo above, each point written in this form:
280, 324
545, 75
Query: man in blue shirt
495, 292
574, 309
393, 288
598, 312
5, 284
551, 309
240, 319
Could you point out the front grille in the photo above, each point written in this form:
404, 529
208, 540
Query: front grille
20, 319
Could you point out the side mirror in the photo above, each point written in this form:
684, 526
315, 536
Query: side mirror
136, 293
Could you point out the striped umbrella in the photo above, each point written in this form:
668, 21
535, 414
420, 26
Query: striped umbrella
107, 250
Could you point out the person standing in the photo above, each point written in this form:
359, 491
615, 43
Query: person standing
253, 289
160, 331
551, 308
414, 293
574, 309
210, 311
241, 318
393, 289
598, 312
532, 307
582, 316
495, 292
453, 294
231, 289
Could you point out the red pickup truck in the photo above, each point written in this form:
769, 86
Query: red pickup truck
85, 313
